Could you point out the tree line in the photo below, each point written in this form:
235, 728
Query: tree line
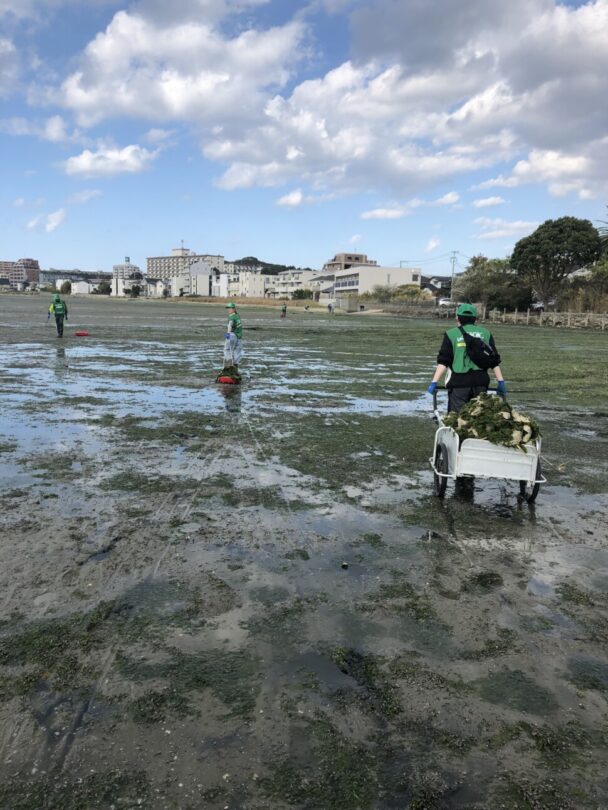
563, 265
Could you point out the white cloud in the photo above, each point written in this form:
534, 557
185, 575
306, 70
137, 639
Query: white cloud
488, 202
502, 228
385, 213
54, 129
108, 161
291, 200
54, 220
82, 197
179, 69
432, 244
158, 136
426, 98
19, 202
355, 239
47, 222
9, 66
451, 198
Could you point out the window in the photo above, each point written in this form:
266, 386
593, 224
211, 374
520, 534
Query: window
415, 277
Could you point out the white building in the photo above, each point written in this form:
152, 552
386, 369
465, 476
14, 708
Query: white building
288, 281
219, 285
82, 288
179, 261
361, 279
255, 284
125, 270
196, 280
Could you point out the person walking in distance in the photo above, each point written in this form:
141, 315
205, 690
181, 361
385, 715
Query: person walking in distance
59, 309
465, 378
283, 310
233, 348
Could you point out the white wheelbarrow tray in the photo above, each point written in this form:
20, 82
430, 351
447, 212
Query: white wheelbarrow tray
483, 459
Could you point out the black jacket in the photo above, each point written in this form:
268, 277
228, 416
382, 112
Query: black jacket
470, 378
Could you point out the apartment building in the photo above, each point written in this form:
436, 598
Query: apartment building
20, 272
344, 261
288, 281
362, 279
179, 261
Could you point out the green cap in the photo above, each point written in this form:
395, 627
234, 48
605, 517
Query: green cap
231, 305
56, 297
467, 309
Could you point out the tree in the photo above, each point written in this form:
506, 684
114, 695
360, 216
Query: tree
103, 288
134, 291
66, 288
494, 283
301, 295
555, 249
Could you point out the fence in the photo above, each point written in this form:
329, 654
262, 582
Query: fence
424, 309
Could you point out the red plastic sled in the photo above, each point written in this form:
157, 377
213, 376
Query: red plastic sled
227, 381
81, 334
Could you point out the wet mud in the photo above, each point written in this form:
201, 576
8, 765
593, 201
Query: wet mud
249, 597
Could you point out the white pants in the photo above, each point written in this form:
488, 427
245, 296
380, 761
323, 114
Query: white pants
233, 350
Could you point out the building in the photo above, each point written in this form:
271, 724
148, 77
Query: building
436, 284
82, 288
344, 261
20, 273
253, 284
288, 281
125, 270
219, 285
195, 280
179, 261
361, 279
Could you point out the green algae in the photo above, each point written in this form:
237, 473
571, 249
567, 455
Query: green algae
233, 677
504, 643
58, 791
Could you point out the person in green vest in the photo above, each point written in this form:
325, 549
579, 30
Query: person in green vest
233, 347
59, 309
283, 310
464, 380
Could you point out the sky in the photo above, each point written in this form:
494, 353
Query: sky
291, 131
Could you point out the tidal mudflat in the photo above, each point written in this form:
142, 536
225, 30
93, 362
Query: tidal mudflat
250, 598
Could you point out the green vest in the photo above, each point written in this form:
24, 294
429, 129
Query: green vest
462, 362
58, 308
235, 325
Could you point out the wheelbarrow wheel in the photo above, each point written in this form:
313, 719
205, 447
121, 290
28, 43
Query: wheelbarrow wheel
528, 491
441, 465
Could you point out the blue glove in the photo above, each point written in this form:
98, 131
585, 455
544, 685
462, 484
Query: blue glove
432, 388
48, 317
501, 387
227, 335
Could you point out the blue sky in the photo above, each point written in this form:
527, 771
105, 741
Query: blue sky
404, 129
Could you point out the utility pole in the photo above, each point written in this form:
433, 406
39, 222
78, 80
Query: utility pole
454, 254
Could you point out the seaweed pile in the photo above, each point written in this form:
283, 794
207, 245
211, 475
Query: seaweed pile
489, 417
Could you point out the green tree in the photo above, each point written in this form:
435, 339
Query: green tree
134, 291
302, 295
103, 288
66, 288
555, 249
494, 283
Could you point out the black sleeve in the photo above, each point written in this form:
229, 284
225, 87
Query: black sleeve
446, 352
493, 345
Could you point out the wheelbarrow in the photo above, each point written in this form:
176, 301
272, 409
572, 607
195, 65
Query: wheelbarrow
458, 458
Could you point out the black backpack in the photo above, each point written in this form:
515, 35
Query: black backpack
480, 352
